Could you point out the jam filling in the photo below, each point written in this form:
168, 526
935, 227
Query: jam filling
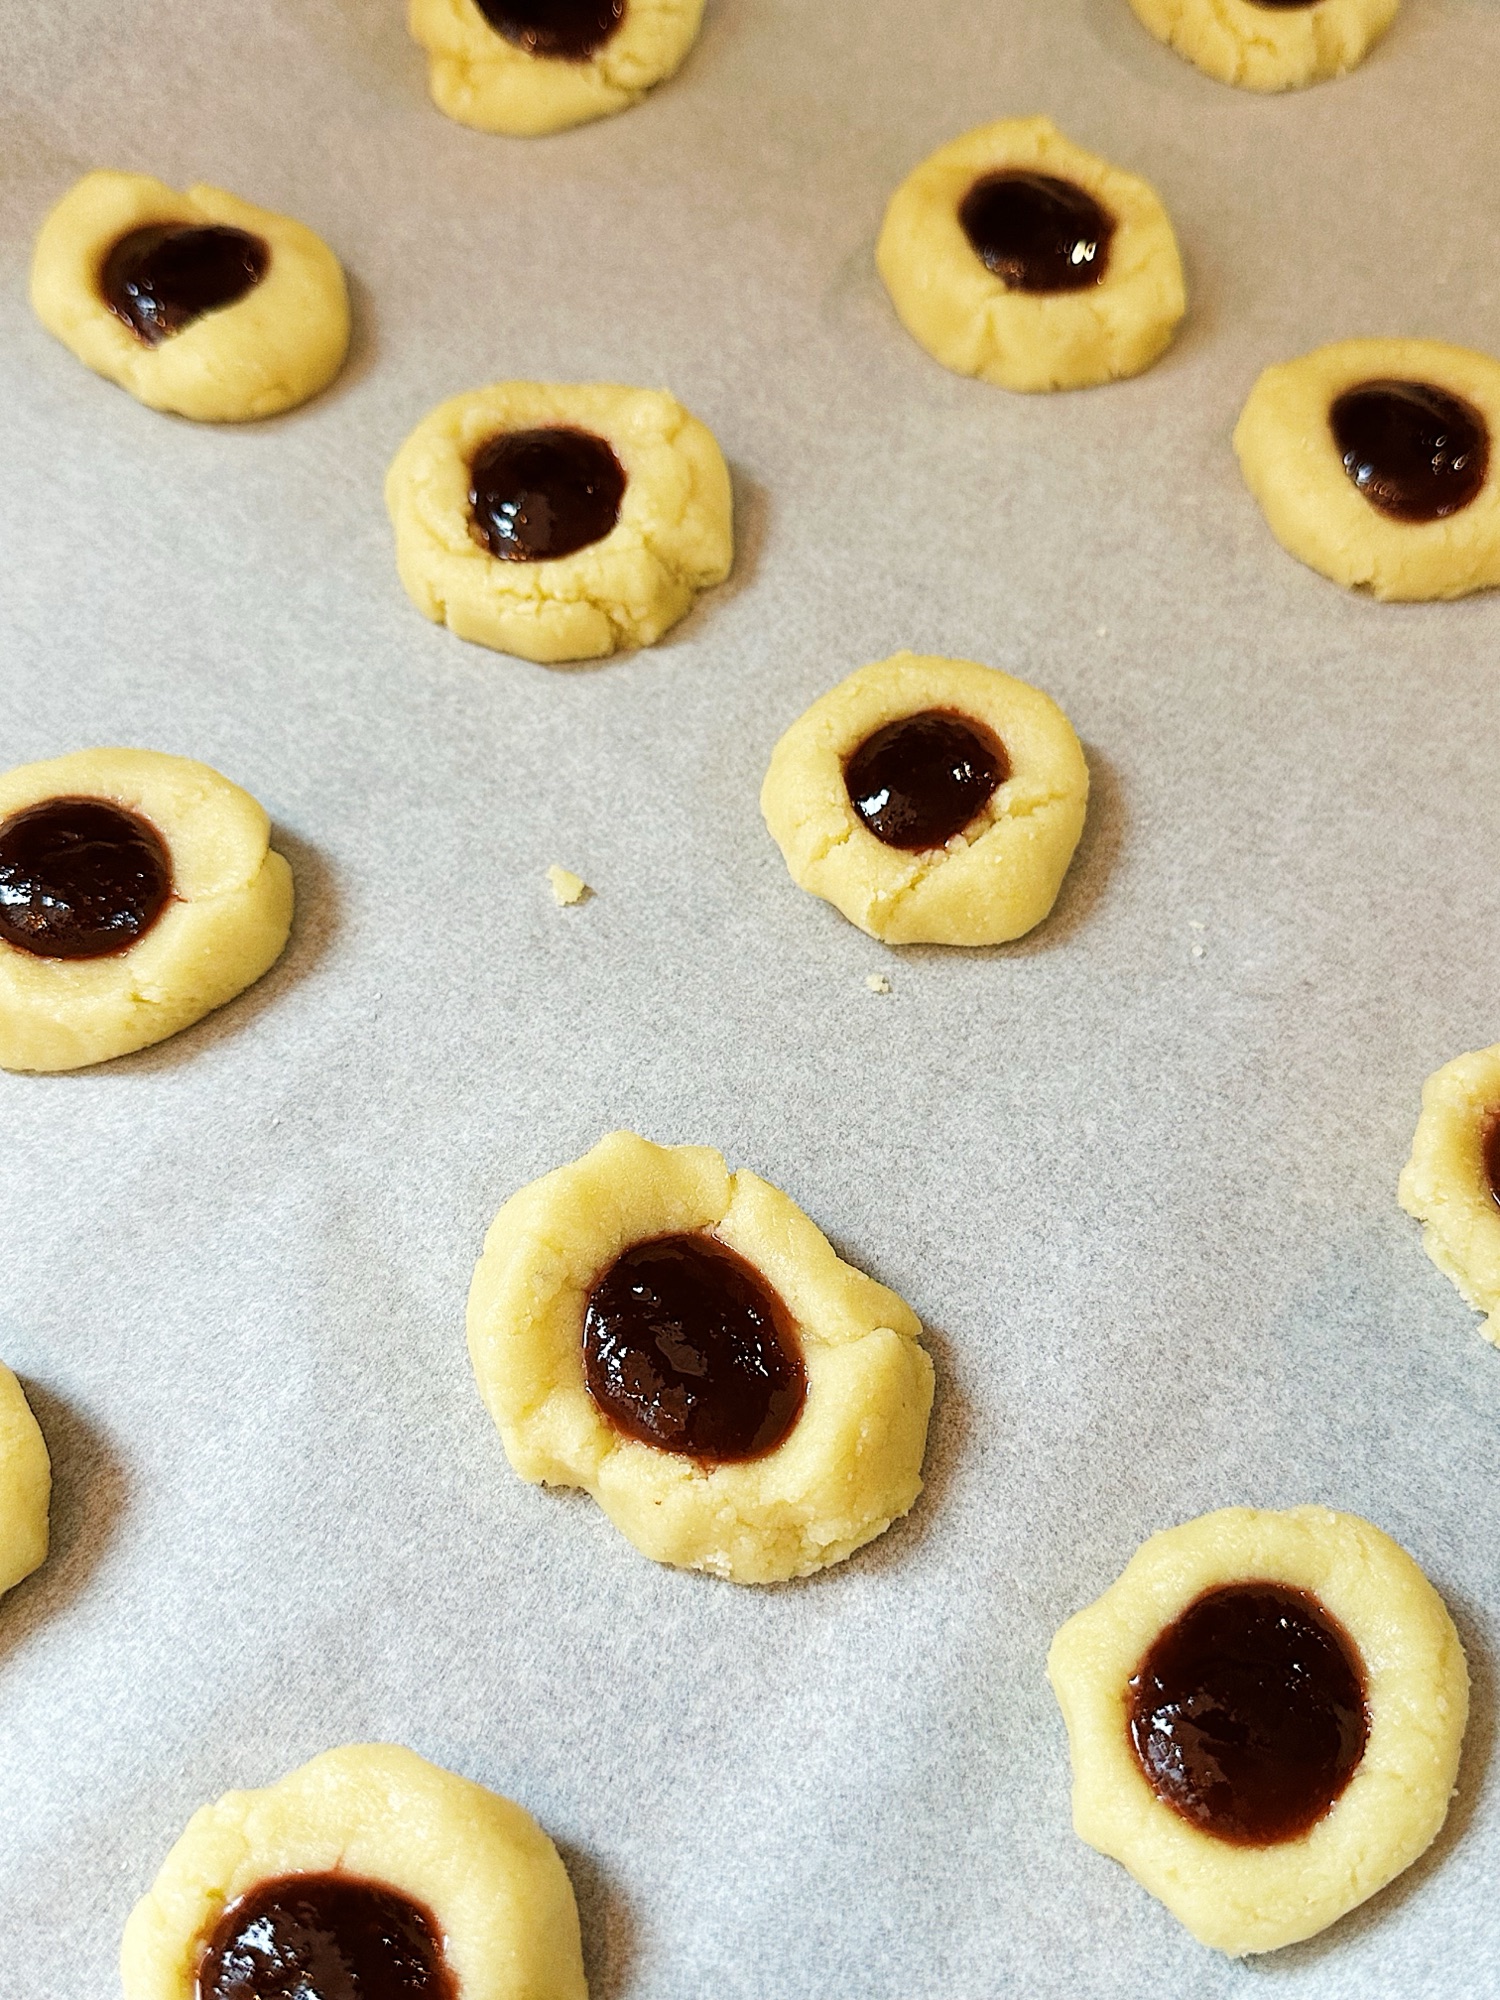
1416, 452
160, 279
1248, 1714
537, 495
566, 30
1491, 1150
325, 1937
1037, 233
80, 878
686, 1347
923, 778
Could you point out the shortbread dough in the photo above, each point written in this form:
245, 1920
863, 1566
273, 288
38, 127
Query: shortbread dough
491, 1880
1243, 1899
25, 1485
224, 922
482, 77
1267, 46
851, 1463
673, 535
967, 317
1447, 1185
278, 344
994, 880
1292, 463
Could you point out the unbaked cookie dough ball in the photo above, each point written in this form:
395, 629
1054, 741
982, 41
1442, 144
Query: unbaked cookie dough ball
684, 1343
367, 1871
196, 302
932, 801
1014, 255
531, 66
25, 1485
1269, 44
560, 521
1265, 1714
138, 892
1451, 1183
1373, 462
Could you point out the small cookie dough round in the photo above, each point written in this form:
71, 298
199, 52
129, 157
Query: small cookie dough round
1249, 1898
1269, 44
671, 534
850, 1463
996, 878
489, 1882
499, 65
25, 1485
1293, 464
281, 341
222, 920
1451, 1183
969, 318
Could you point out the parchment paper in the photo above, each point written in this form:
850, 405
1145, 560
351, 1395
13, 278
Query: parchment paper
1137, 1172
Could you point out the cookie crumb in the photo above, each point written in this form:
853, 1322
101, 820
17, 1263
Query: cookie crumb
877, 982
1197, 951
567, 888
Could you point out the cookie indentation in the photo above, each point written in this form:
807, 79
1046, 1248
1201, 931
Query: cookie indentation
1037, 232
922, 779
80, 878
566, 30
537, 495
160, 279
1414, 451
1248, 1713
325, 1937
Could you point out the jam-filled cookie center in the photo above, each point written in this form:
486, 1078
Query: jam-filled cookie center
160, 279
1416, 452
922, 779
686, 1347
1489, 1146
1248, 1714
537, 495
80, 878
1037, 233
325, 1937
566, 30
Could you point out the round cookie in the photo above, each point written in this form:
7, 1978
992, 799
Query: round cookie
532, 66
1265, 1714
1269, 44
198, 302
25, 1485
1013, 255
985, 827
560, 521
368, 1858
684, 1343
1451, 1183
138, 892
1374, 462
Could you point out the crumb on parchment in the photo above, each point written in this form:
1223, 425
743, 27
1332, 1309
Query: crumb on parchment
567, 888
877, 982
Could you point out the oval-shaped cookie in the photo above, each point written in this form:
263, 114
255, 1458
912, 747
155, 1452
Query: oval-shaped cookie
1269, 44
25, 1485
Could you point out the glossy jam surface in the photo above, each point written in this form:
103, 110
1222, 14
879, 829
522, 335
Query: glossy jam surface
921, 779
567, 30
1491, 1145
80, 878
1248, 1714
538, 495
159, 280
325, 1937
686, 1347
1037, 233
1416, 452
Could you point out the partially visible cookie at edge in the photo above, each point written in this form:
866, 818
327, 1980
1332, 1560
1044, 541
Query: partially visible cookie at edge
1269, 45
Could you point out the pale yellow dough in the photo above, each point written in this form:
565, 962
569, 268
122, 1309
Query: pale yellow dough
25, 1485
996, 879
281, 343
481, 1865
852, 1462
1291, 463
674, 536
1445, 1184
1251, 1899
478, 77
967, 318
1269, 48
227, 922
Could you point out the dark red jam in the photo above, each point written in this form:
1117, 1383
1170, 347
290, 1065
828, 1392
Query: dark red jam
80, 878
1036, 232
325, 1937
567, 30
160, 279
1416, 452
538, 495
923, 778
